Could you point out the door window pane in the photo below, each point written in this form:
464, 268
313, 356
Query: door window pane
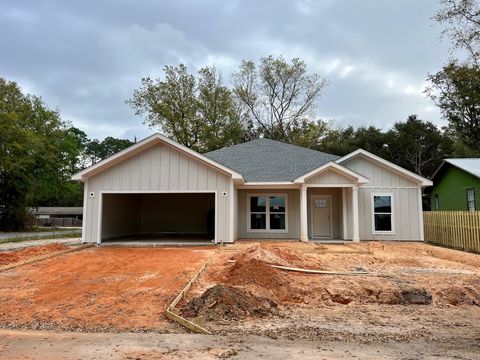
258, 204
382, 204
258, 221
383, 222
471, 199
277, 204
277, 221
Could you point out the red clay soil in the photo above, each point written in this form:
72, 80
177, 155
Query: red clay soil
11, 257
98, 289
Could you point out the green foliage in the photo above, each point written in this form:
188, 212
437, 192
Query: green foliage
344, 141
456, 91
278, 97
417, 145
198, 112
96, 150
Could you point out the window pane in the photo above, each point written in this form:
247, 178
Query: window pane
382, 204
277, 221
470, 194
383, 222
258, 204
258, 221
277, 204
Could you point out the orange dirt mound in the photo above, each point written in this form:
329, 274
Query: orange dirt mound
227, 302
12, 257
269, 255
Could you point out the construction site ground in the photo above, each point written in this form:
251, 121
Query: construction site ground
383, 300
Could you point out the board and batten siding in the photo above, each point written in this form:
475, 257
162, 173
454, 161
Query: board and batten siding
407, 212
161, 168
293, 215
329, 177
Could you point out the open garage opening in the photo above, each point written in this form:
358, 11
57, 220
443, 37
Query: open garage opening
158, 217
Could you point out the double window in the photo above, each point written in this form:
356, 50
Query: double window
471, 199
382, 205
267, 212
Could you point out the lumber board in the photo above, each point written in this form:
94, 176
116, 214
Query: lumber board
44, 257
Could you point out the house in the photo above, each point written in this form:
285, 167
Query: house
64, 216
261, 189
456, 185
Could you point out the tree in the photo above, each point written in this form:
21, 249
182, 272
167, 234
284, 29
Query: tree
462, 20
199, 113
280, 97
29, 151
417, 145
96, 150
344, 141
456, 91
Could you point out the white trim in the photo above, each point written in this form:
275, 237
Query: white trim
389, 187
398, 169
355, 217
344, 213
392, 214
84, 216
303, 214
420, 212
267, 186
330, 185
100, 204
335, 167
143, 144
267, 213
312, 217
231, 211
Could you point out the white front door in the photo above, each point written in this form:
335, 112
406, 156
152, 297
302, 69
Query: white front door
321, 216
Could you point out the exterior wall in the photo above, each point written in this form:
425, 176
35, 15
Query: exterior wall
293, 215
407, 212
329, 177
336, 195
160, 168
452, 190
235, 214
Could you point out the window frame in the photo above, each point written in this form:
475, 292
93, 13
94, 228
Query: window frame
469, 201
392, 214
267, 213
436, 202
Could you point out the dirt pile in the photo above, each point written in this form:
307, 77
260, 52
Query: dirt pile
269, 255
11, 257
228, 302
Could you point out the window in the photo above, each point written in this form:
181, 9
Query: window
471, 199
267, 212
382, 205
436, 199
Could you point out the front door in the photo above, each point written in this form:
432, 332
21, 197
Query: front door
321, 216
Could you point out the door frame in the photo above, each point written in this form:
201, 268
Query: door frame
119, 192
312, 203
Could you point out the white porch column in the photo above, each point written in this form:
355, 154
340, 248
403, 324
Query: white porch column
344, 213
356, 232
303, 214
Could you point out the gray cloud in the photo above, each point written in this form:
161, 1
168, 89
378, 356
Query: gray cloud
85, 58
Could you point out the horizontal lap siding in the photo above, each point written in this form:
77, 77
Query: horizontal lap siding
407, 213
159, 168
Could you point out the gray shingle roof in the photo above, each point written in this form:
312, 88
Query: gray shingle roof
264, 160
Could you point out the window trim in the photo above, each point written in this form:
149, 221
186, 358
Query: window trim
267, 213
436, 202
392, 214
474, 200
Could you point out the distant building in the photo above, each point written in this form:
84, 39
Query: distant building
456, 185
58, 216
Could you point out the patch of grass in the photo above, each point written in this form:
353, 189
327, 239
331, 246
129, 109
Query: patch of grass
73, 234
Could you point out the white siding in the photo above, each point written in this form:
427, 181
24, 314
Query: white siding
158, 168
407, 214
329, 177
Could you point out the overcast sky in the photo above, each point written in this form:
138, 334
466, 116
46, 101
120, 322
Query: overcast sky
86, 57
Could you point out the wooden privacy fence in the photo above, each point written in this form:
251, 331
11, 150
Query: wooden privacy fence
454, 229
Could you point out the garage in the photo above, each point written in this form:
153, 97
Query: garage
147, 216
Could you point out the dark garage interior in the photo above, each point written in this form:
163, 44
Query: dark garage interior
158, 216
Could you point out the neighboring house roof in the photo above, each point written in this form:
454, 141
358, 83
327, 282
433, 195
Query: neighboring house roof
264, 160
143, 144
387, 164
469, 165
57, 210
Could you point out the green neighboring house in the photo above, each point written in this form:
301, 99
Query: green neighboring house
456, 185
